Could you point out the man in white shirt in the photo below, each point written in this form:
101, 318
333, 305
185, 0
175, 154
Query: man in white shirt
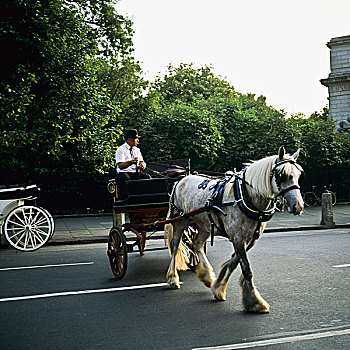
129, 161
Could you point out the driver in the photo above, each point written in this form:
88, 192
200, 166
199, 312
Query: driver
129, 162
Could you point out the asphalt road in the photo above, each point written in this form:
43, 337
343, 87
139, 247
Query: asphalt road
77, 304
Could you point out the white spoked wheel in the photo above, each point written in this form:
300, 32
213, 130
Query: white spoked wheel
51, 220
27, 227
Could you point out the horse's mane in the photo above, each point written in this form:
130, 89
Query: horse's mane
258, 174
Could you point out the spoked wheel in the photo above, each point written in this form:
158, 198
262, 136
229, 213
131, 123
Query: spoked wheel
188, 238
28, 228
334, 198
310, 199
51, 220
140, 241
117, 252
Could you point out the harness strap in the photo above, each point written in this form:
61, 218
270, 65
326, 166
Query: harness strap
247, 207
284, 191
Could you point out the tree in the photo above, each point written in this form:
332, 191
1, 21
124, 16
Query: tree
123, 80
55, 114
112, 31
234, 120
187, 83
181, 130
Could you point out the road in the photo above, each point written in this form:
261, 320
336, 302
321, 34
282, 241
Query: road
67, 298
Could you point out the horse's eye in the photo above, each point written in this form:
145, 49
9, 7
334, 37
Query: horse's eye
282, 177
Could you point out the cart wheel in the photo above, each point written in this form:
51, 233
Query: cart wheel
188, 238
117, 252
310, 199
27, 227
334, 198
51, 220
142, 243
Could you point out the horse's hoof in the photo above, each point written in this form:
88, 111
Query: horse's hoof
219, 292
219, 297
174, 283
263, 308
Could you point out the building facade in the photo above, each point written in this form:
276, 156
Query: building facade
338, 81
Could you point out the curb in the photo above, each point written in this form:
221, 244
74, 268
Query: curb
268, 230
306, 228
63, 216
105, 239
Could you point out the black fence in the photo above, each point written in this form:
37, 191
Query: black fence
88, 194
75, 194
336, 179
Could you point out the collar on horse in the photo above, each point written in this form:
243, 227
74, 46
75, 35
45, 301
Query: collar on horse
215, 203
248, 208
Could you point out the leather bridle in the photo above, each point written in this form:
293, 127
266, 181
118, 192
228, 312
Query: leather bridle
274, 174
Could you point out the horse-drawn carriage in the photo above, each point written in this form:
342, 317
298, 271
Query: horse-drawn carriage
25, 226
236, 206
144, 210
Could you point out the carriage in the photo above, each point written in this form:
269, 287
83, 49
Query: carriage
236, 206
25, 226
142, 214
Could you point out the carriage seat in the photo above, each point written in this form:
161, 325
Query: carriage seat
146, 192
29, 192
153, 192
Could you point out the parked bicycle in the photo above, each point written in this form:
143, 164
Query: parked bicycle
311, 198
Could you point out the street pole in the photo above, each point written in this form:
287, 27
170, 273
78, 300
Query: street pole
327, 210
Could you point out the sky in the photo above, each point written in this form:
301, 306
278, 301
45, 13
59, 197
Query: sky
274, 48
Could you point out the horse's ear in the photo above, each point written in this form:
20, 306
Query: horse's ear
281, 152
296, 154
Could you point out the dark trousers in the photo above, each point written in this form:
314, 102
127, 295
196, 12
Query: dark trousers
122, 177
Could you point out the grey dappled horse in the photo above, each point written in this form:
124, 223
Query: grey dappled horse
246, 204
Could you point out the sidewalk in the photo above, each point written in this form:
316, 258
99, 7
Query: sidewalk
95, 229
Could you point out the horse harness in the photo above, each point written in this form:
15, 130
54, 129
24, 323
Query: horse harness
215, 203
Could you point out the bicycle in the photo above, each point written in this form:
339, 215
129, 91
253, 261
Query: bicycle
311, 198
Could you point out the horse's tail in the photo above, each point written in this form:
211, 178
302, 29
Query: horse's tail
182, 257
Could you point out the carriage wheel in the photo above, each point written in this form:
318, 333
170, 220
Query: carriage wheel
27, 227
310, 199
117, 252
188, 238
51, 220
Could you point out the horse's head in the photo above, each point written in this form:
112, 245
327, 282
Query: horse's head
285, 177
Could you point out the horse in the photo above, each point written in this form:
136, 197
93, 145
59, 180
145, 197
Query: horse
237, 207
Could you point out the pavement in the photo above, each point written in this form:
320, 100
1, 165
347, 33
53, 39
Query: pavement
83, 229
95, 229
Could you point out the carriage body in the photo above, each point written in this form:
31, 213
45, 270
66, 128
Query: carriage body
25, 226
138, 217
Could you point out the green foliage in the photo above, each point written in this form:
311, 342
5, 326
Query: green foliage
182, 130
191, 112
123, 80
321, 145
113, 32
186, 83
68, 84
56, 116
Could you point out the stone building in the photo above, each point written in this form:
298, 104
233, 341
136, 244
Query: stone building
338, 81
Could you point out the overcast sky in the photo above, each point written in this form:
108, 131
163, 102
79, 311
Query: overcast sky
275, 48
